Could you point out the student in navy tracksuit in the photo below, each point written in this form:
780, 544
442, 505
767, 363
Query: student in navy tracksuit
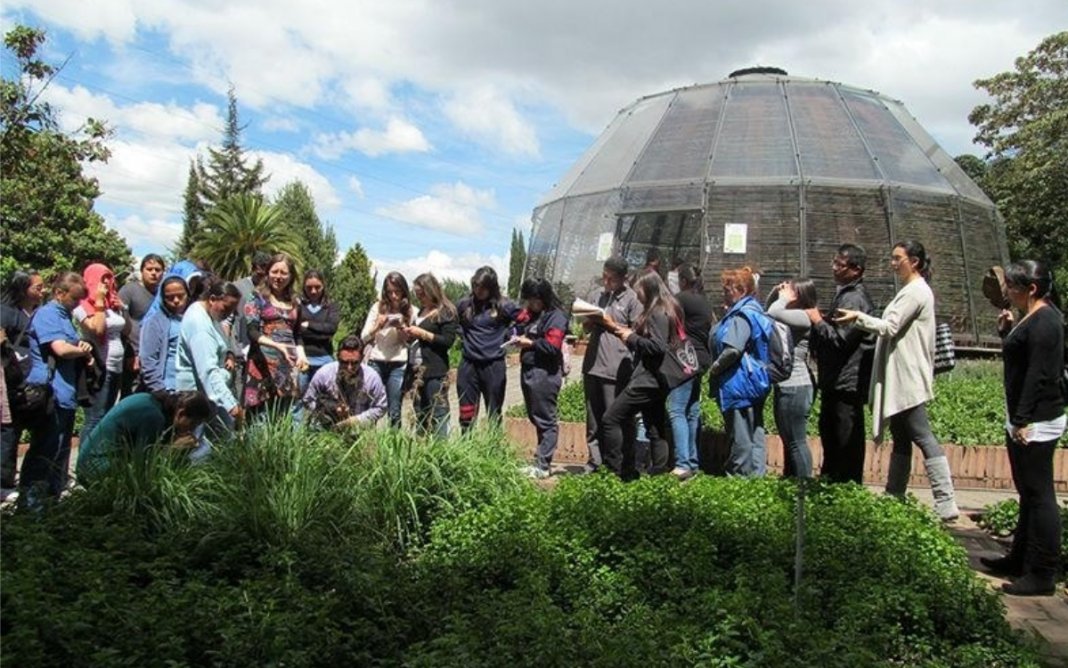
541, 341
485, 321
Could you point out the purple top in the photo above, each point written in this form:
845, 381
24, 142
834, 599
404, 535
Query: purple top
366, 407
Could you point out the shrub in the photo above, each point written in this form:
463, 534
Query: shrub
603, 573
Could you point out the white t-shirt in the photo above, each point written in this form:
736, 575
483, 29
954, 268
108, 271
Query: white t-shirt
114, 322
388, 346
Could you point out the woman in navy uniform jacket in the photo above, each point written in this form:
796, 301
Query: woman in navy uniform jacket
486, 319
541, 342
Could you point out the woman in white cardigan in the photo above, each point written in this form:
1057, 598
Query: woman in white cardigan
903, 376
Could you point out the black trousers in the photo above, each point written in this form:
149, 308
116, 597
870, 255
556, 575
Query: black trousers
619, 452
600, 394
841, 427
1036, 543
480, 380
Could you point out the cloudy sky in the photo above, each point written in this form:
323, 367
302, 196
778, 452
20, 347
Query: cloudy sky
427, 130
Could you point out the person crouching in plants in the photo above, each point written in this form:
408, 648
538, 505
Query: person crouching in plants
541, 344
1033, 354
137, 422
346, 393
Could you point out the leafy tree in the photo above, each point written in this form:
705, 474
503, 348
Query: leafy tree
973, 166
1025, 128
46, 201
192, 213
455, 290
353, 289
318, 244
237, 228
516, 261
227, 172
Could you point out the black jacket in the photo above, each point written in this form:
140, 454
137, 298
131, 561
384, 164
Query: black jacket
844, 352
318, 338
1033, 353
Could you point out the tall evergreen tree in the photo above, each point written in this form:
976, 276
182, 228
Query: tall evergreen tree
517, 259
353, 289
318, 244
227, 172
192, 214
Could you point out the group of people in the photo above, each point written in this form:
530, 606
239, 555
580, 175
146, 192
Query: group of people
186, 350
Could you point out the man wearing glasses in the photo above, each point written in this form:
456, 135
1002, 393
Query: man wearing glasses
346, 393
844, 356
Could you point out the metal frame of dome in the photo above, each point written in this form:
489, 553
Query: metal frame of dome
804, 164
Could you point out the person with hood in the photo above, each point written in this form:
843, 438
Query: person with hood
104, 323
161, 336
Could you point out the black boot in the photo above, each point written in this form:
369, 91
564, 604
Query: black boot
1031, 585
1002, 565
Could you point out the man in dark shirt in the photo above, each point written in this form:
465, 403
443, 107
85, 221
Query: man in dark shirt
844, 356
607, 365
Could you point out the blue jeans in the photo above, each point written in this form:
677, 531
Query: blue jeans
102, 401
745, 428
10, 434
792, 406
431, 405
392, 375
45, 467
684, 412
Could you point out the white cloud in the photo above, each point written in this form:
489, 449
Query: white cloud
450, 207
154, 121
490, 118
399, 136
283, 169
280, 124
444, 265
154, 233
149, 176
356, 187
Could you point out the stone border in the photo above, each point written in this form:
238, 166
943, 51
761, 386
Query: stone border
973, 466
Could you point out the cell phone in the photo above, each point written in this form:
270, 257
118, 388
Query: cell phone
394, 317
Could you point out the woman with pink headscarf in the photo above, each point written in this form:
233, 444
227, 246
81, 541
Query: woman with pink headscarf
104, 321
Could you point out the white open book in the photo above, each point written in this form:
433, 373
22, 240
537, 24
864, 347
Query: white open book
583, 309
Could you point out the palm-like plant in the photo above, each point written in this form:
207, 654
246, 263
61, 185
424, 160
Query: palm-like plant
237, 228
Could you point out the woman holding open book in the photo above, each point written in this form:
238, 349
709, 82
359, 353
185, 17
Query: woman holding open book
646, 391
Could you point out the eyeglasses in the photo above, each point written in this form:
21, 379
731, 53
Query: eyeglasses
348, 363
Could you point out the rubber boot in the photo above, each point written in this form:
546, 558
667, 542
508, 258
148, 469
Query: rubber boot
897, 478
945, 505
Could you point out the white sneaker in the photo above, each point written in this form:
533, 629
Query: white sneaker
535, 472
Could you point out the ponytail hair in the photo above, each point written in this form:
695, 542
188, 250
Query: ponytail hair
914, 250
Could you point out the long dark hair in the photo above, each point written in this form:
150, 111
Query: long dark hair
396, 280
485, 277
17, 286
194, 404
655, 296
807, 297
318, 275
1025, 273
539, 288
914, 250
689, 276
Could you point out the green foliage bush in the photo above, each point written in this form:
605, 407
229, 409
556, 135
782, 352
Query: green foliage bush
602, 573
1000, 518
307, 549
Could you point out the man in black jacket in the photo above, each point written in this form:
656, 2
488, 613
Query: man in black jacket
844, 357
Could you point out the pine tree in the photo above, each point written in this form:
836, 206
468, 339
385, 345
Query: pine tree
192, 214
227, 172
318, 244
516, 261
353, 289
